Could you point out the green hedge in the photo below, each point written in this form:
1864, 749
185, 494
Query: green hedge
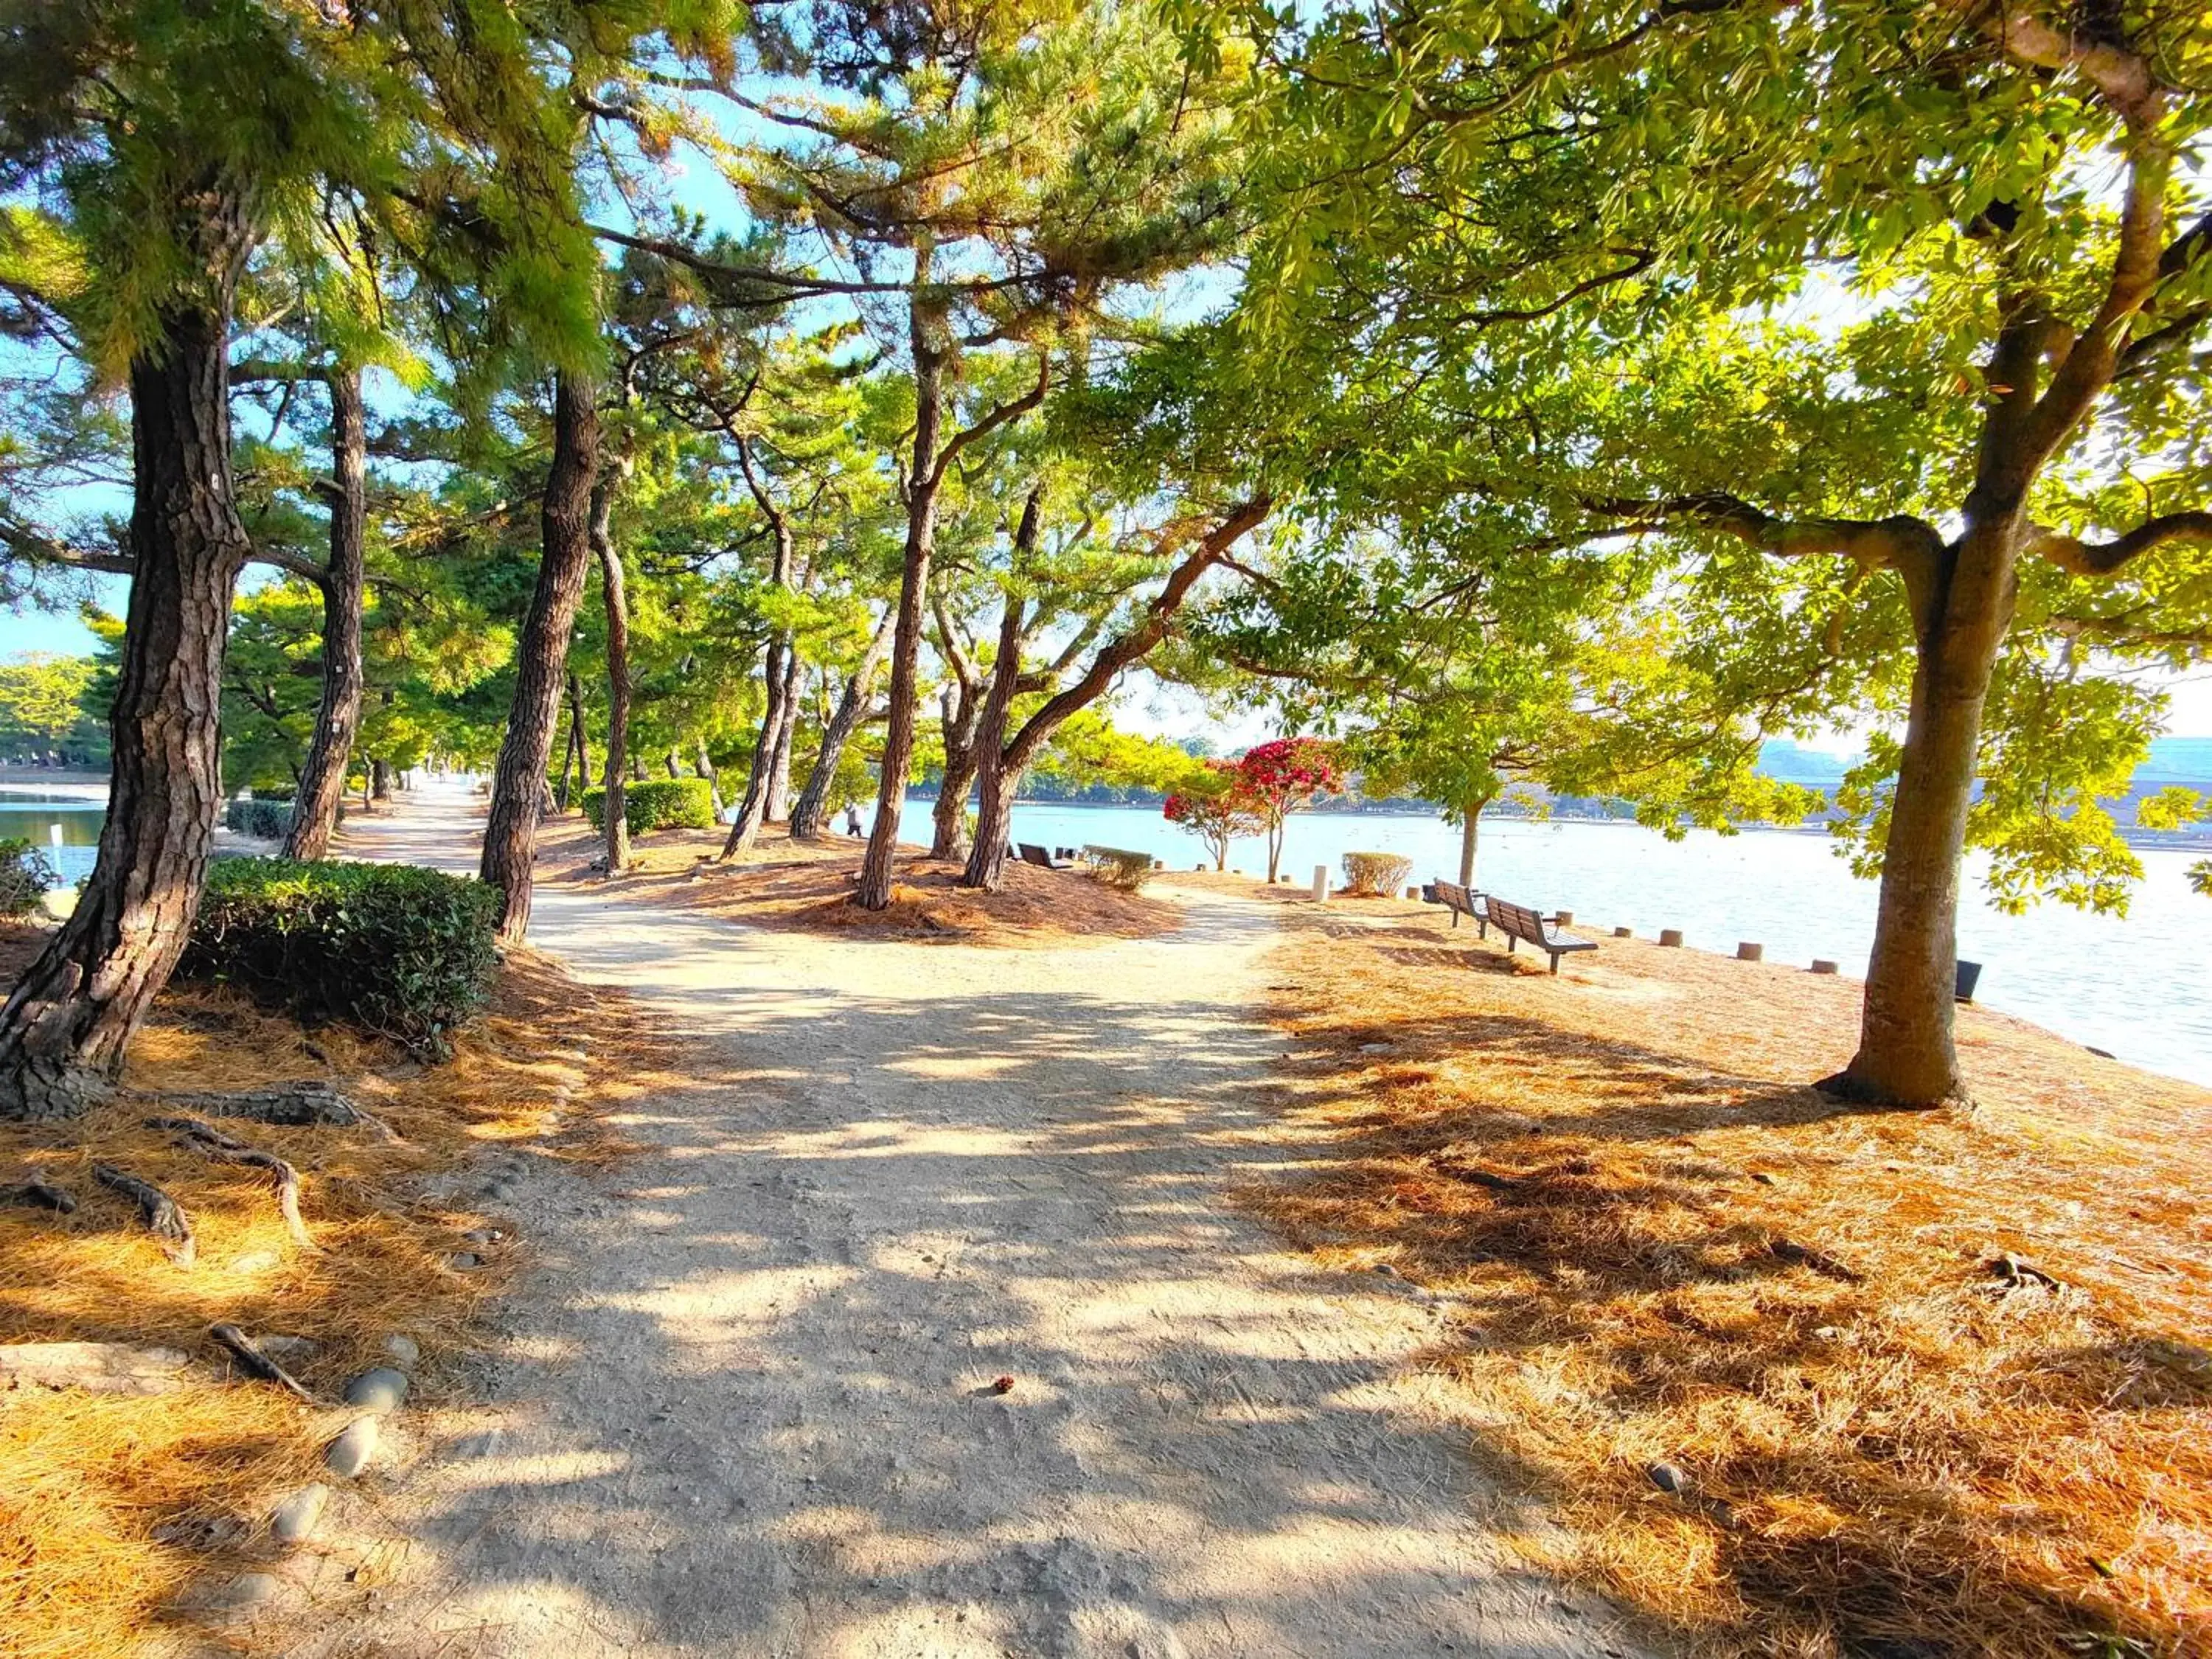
263, 820
401, 952
657, 803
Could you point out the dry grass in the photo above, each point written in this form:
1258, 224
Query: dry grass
804, 885
1667, 1249
87, 1481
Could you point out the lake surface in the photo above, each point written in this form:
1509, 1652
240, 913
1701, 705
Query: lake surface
66, 827
2136, 986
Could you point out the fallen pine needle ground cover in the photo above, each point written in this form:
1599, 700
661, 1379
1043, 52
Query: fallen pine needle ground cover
114, 1507
1802, 1378
807, 885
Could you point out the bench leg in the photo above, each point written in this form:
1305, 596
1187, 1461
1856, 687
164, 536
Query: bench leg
1555, 962
1511, 944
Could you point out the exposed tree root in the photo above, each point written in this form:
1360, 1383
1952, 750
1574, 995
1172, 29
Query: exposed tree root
212, 1143
255, 1363
298, 1105
162, 1212
38, 1191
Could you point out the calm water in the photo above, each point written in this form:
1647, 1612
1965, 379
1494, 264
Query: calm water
66, 830
2136, 986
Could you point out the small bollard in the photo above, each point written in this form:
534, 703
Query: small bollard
1413, 893
54, 834
1321, 881
1159, 864
1822, 965
1747, 951
1624, 932
1670, 936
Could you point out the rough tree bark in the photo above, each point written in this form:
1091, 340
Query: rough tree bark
616, 820
581, 732
930, 351
925, 329
806, 812
63, 1032
776, 807
960, 712
322, 780
778, 679
542, 654
1001, 770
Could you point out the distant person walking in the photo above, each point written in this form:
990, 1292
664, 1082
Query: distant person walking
852, 820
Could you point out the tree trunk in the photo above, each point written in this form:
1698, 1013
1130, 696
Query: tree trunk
923, 490
615, 822
986, 862
994, 811
776, 803
322, 782
1274, 850
1470, 826
752, 811
669, 760
703, 763
806, 812
63, 1032
962, 717
583, 734
542, 654
1906, 1054
379, 778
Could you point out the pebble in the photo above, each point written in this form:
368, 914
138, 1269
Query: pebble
402, 1350
378, 1390
259, 1262
1667, 1478
483, 1236
350, 1453
294, 1519
246, 1591
462, 1260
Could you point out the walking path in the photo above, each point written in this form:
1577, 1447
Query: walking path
742, 1403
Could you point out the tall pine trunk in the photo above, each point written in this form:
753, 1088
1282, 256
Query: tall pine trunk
775, 805
807, 811
542, 654
962, 718
63, 1031
617, 821
994, 809
923, 487
752, 811
322, 782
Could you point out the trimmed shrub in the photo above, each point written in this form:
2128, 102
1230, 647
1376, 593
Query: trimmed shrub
26, 877
657, 803
263, 820
400, 952
1117, 866
1375, 875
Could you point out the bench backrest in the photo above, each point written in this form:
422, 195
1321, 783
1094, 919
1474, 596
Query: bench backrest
1033, 854
1518, 920
1455, 895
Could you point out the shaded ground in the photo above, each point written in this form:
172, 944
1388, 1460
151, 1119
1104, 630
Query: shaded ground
114, 1508
803, 885
1937, 1383
745, 1404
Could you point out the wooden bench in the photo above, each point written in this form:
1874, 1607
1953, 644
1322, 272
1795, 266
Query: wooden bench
1459, 901
1034, 855
1517, 922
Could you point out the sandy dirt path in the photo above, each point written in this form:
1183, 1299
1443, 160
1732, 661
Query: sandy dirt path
741, 1404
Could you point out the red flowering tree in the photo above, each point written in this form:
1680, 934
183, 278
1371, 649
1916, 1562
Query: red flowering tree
1213, 807
1277, 779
